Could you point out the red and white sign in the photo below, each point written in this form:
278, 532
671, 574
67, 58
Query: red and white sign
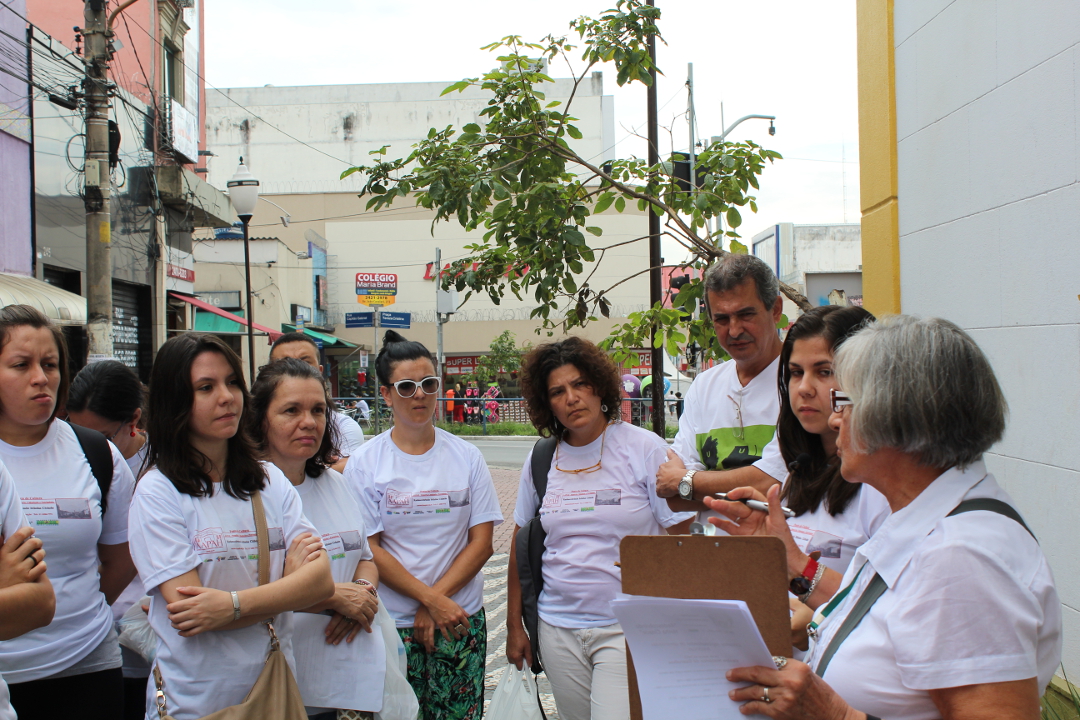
180, 273
644, 364
463, 365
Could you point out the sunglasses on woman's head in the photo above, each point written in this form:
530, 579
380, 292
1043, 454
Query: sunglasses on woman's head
407, 388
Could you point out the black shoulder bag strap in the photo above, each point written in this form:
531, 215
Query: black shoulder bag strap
96, 449
530, 548
877, 586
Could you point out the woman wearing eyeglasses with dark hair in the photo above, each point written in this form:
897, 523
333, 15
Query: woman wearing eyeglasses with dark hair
432, 510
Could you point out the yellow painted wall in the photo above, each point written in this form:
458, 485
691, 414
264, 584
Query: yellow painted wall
877, 157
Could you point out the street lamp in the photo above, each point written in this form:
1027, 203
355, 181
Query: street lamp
720, 138
244, 194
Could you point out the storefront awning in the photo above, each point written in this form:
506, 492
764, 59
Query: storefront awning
327, 340
274, 334
60, 306
211, 323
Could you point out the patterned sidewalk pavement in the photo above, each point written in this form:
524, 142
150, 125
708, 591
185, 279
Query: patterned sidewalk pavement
506, 486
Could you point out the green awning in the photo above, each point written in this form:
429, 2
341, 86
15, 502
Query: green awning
327, 340
208, 322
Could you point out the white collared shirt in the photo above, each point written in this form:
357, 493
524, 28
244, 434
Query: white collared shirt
971, 600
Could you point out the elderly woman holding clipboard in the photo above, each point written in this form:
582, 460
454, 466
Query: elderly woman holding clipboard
949, 610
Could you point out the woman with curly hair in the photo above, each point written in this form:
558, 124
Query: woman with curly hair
600, 488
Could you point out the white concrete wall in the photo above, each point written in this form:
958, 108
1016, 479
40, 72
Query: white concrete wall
987, 100
341, 124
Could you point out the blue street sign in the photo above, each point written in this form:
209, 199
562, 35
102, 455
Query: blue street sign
359, 319
401, 321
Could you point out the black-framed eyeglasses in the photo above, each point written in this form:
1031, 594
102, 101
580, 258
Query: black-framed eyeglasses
840, 400
407, 388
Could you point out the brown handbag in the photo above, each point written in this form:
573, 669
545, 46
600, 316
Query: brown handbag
275, 695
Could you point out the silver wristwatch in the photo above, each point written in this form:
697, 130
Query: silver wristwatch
686, 485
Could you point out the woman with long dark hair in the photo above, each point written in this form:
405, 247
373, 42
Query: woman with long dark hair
432, 508
80, 516
340, 663
194, 534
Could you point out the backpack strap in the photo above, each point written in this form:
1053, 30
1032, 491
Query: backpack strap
877, 586
96, 449
543, 452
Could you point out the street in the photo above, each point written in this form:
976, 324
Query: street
504, 452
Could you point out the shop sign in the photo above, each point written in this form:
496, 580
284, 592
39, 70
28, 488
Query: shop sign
462, 365
180, 273
376, 288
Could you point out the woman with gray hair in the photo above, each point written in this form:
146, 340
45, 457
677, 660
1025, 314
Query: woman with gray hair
950, 609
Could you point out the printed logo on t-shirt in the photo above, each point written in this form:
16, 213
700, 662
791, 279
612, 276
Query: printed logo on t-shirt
234, 544
425, 502
811, 540
339, 543
50, 511
580, 500
729, 448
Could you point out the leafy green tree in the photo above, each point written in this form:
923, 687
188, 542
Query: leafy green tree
517, 179
504, 356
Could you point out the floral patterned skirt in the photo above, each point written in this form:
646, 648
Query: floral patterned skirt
449, 682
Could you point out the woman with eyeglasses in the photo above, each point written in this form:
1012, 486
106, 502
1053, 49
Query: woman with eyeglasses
600, 488
950, 609
431, 510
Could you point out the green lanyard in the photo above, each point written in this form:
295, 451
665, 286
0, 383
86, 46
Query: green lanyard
820, 616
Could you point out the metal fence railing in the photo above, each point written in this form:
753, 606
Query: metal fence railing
374, 416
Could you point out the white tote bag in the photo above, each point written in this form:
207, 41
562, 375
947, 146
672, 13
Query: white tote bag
399, 700
515, 697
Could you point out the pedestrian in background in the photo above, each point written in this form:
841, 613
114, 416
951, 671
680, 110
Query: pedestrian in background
432, 509
600, 488
107, 396
340, 663
83, 527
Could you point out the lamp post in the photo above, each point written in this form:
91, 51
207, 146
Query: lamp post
244, 194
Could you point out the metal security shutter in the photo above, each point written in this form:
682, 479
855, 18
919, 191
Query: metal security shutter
132, 327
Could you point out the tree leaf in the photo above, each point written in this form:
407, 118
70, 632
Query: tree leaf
595, 231
573, 132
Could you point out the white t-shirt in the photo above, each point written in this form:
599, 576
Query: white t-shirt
711, 436
11, 519
971, 599
838, 537
134, 591
350, 436
172, 533
62, 502
348, 675
424, 506
586, 515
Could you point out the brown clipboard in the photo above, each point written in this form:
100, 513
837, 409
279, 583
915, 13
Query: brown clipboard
717, 567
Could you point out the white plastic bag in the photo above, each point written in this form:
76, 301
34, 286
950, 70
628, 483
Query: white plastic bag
399, 700
515, 697
136, 633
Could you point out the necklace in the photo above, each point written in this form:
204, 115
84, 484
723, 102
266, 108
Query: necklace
591, 468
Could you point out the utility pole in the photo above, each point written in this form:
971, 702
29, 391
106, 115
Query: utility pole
439, 357
693, 120
97, 185
656, 293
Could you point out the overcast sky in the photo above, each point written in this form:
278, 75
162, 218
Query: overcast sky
788, 58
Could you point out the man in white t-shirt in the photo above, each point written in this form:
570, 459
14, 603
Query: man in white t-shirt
727, 433
303, 348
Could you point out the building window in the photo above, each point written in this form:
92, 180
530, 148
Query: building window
174, 72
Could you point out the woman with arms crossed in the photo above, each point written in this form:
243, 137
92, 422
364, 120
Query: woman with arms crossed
85, 531
600, 489
432, 508
949, 610
337, 665
194, 538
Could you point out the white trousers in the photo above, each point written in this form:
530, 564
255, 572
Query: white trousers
587, 671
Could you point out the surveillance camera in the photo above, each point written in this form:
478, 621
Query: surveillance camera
772, 129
